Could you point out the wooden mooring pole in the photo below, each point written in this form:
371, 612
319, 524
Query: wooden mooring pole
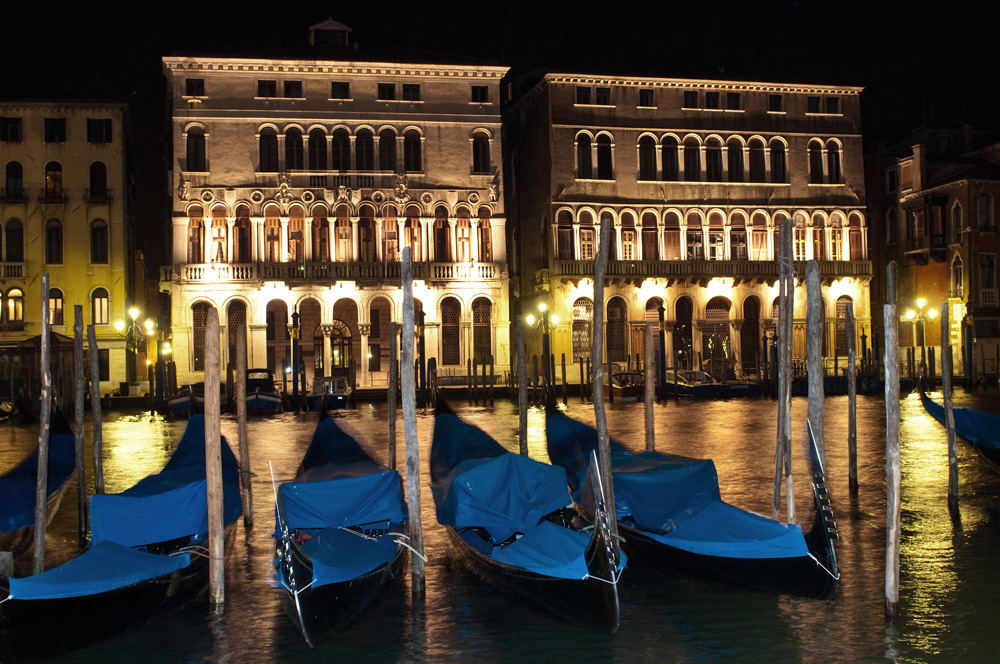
522, 390
410, 430
597, 357
786, 304
852, 404
241, 424
391, 396
949, 413
213, 462
650, 384
563, 356
892, 471
79, 401
815, 331
42, 477
95, 408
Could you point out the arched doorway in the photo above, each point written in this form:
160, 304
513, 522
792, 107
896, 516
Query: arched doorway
583, 317
683, 346
841, 336
716, 345
451, 312
617, 345
652, 315
310, 338
345, 340
379, 316
482, 330
236, 318
199, 316
750, 336
277, 336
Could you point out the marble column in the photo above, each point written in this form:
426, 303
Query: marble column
365, 329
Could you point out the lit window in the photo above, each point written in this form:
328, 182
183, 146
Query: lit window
55, 307
14, 311
587, 244
100, 307
628, 245
837, 244
799, 243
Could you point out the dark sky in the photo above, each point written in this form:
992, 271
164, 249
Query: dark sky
914, 59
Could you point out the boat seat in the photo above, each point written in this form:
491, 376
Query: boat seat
547, 549
340, 556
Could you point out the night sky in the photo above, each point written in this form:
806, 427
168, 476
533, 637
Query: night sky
915, 60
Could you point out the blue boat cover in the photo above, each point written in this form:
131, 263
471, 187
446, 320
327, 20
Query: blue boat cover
548, 549
673, 499
17, 486
344, 501
171, 504
976, 426
104, 566
338, 555
335, 453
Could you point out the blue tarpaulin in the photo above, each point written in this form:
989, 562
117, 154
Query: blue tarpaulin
345, 501
335, 453
661, 492
17, 486
339, 556
548, 549
104, 566
976, 426
170, 504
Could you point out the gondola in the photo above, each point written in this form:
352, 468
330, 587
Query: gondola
341, 528
148, 554
671, 514
979, 428
17, 487
509, 521
262, 398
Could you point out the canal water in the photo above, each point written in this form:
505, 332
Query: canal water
949, 576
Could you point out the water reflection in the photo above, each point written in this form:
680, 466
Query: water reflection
947, 576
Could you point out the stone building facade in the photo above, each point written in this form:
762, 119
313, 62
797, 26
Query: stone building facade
695, 177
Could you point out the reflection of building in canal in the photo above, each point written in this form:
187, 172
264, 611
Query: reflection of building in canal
695, 178
298, 183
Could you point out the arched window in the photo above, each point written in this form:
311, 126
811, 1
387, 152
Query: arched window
364, 151
617, 345
14, 237
955, 228
683, 344
272, 236
647, 158
296, 235
987, 278
451, 312
56, 307
236, 318
53, 181
695, 238
485, 236
343, 234
734, 152
650, 238
462, 233
891, 226
14, 311
480, 153
692, 160
341, 149
411, 233
293, 149
441, 233
196, 150
98, 242
984, 210
98, 191
195, 221
833, 174
668, 159
713, 160
13, 180
584, 170
387, 150
779, 169
819, 239
840, 339
390, 235
757, 164
482, 330
583, 316
738, 237
366, 234
605, 166
411, 152
241, 243
957, 277
100, 307
199, 316
53, 241
268, 151
320, 236
629, 240
317, 150
815, 162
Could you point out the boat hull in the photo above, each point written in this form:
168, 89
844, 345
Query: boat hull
719, 391
261, 403
591, 603
334, 401
19, 541
180, 406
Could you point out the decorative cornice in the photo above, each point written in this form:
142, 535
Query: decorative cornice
251, 65
709, 84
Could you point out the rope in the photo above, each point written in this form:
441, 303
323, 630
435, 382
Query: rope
7, 598
415, 552
785, 262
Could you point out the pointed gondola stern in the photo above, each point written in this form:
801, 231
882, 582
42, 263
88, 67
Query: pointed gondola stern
605, 560
821, 535
285, 563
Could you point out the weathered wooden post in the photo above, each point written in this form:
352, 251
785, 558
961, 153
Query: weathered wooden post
582, 381
483, 390
522, 389
79, 399
391, 396
597, 357
611, 392
949, 413
649, 370
240, 386
892, 471
563, 356
213, 461
410, 431
468, 379
852, 404
493, 380
475, 382
786, 305
42, 477
534, 378
815, 330
95, 409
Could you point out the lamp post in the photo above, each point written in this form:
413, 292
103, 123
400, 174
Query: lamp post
134, 335
544, 322
920, 315
295, 357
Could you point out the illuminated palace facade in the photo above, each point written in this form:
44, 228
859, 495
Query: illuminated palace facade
694, 177
297, 183
64, 209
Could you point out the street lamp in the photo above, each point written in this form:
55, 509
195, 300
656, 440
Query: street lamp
546, 361
920, 315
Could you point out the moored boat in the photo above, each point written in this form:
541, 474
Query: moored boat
626, 385
335, 390
262, 398
977, 427
508, 520
182, 404
671, 514
341, 530
699, 384
148, 554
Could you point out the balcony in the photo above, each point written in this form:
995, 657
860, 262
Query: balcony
920, 249
13, 270
216, 272
332, 179
697, 270
98, 197
50, 197
13, 196
13, 326
332, 272
988, 296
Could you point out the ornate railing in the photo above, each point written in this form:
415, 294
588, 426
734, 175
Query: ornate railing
13, 270
708, 269
325, 271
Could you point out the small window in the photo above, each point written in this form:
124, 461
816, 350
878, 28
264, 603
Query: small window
194, 87
944, 144
10, 130
733, 101
56, 307
293, 89
98, 131
646, 98
411, 92
55, 130
812, 104
603, 96
776, 103
267, 88
340, 90
104, 364
386, 91
890, 181
712, 100
480, 94
14, 311
833, 105
690, 99
582, 95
